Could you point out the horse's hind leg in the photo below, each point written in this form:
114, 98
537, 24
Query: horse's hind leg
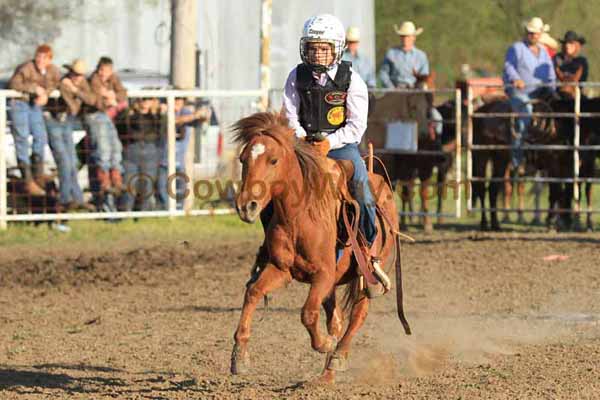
339, 360
508, 189
270, 279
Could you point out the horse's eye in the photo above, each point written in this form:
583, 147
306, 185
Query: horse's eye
273, 161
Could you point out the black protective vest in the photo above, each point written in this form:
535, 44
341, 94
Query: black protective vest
322, 108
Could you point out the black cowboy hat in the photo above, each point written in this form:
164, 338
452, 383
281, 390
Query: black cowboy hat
572, 36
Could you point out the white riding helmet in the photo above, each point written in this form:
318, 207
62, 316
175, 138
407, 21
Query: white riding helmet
324, 28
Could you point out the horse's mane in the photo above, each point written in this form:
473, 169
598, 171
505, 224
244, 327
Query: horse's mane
313, 166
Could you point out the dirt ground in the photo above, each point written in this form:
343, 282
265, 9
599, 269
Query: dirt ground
491, 319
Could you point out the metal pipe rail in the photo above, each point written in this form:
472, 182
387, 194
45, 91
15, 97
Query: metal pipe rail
532, 210
536, 179
535, 147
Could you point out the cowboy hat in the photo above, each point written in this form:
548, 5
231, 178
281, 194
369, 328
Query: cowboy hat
536, 25
572, 36
407, 29
549, 41
353, 34
77, 66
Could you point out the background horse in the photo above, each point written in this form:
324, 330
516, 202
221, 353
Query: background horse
303, 235
498, 131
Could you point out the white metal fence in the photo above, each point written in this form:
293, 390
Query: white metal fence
228, 106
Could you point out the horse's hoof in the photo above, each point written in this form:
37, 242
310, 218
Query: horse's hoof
484, 226
240, 361
337, 362
536, 221
496, 227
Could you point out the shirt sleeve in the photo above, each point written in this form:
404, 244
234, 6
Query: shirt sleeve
510, 65
584, 64
384, 72
424, 64
370, 81
357, 108
21, 82
291, 104
120, 91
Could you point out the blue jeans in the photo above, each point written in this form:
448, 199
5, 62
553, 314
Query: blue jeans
163, 192
359, 187
106, 146
60, 135
28, 120
520, 103
141, 171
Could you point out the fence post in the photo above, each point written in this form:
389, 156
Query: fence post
3, 192
469, 148
171, 180
576, 148
458, 138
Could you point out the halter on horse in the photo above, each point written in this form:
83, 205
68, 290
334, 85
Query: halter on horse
303, 235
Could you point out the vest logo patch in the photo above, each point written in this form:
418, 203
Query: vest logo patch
335, 116
336, 98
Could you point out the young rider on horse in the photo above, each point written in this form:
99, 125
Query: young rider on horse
326, 104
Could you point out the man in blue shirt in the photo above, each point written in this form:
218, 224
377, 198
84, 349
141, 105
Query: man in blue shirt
403, 64
527, 66
360, 63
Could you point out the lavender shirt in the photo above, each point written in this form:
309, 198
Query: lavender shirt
357, 107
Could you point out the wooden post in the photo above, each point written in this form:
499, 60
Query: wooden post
458, 138
265, 51
183, 73
370, 159
3, 190
469, 148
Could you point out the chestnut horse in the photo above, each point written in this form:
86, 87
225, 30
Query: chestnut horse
303, 234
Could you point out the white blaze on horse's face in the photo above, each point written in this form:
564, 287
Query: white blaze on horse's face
257, 150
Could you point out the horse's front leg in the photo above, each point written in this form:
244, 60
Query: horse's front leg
321, 287
270, 279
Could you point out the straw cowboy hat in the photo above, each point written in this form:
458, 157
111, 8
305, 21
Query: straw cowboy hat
353, 34
549, 41
77, 66
407, 29
536, 25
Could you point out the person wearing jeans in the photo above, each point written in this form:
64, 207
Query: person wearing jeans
36, 79
527, 65
185, 118
111, 98
75, 91
141, 157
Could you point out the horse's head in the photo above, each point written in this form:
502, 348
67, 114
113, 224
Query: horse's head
268, 147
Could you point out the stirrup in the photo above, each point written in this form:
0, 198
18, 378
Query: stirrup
384, 284
380, 273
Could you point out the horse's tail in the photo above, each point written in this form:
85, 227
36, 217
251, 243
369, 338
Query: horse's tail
351, 295
399, 293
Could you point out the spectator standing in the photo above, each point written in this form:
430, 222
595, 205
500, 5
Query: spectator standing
360, 63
